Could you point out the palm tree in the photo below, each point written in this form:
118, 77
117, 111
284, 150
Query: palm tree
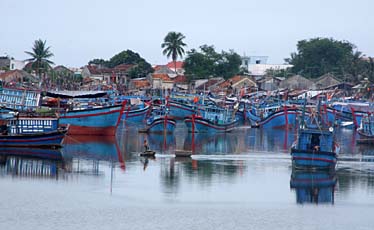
39, 56
173, 46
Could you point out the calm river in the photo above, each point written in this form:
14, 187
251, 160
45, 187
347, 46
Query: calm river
240, 180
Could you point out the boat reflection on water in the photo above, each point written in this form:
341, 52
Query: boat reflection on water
204, 143
313, 187
83, 154
161, 142
31, 162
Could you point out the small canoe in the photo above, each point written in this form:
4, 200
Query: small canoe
148, 153
183, 153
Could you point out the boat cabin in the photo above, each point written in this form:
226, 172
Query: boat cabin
316, 140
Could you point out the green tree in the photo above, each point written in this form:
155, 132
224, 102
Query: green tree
173, 46
140, 66
209, 63
98, 61
40, 55
318, 56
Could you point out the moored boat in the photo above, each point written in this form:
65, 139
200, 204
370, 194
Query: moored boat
97, 121
315, 147
366, 130
51, 139
213, 120
161, 124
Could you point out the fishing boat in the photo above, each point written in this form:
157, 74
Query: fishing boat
51, 139
181, 109
136, 114
315, 147
160, 122
148, 153
366, 129
313, 187
212, 120
96, 121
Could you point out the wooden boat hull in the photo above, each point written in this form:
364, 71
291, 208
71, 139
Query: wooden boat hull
280, 119
201, 125
136, 116
97, 121
180, 110
148, 153
162, 124
46, 139
311, 159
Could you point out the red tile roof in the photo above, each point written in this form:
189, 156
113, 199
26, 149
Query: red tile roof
232, 80
123, 67
141, 83
180, 79
179, 65
162, 76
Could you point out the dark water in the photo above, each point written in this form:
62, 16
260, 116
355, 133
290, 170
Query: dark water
240, 180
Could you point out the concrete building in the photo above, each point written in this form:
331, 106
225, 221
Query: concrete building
257, 65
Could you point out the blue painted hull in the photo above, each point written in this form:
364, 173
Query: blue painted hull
310, 159
48, 139
180, 111
201, 125
136, 116
162, 124
98, 121
276, 120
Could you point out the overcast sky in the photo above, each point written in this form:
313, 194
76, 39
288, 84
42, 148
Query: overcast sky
80, 30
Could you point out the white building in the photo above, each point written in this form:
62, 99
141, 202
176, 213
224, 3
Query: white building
257, 65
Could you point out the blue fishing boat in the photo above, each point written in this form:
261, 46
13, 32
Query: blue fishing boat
313, 187
160, 122
366, 130
43, 139
212, 120
20, 99
96, 121
273, 116
180, 110
315, 147
136, 114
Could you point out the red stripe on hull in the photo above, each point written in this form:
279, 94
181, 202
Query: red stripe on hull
82, 130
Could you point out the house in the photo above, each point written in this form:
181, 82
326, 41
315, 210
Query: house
209, 85
118, 74
17, 76
165, 81
297, 82
326, 81
139, 84
177, 68
258, 66
235, 84
62, 70
7, 63
269, 83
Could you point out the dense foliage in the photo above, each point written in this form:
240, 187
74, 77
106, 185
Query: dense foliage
40, 55
318, 56
173, 46
140, 69
208, 63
